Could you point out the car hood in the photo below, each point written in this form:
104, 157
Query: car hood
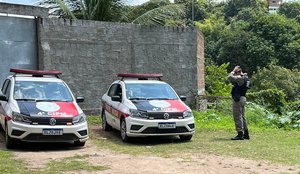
50, 109
160, 105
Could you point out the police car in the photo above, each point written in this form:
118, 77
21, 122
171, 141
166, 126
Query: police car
37, 106
141, 105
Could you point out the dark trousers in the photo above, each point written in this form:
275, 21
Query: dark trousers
238, 109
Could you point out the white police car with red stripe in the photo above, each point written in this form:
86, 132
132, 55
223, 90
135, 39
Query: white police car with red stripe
140, 105
38, 106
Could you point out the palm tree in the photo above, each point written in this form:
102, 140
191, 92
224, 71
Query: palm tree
101, 10
153, 12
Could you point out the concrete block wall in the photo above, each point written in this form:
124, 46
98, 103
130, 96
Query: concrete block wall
17, 9
92, 53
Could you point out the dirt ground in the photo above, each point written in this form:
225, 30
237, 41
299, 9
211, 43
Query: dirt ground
38, 155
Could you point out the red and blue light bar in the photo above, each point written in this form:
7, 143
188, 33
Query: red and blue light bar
35, 72
141, 76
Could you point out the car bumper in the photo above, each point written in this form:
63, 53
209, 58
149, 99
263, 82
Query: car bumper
137, 127
34, 133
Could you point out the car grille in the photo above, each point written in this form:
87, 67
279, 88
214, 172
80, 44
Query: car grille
41, 137
46, 120
160, 115
154, 130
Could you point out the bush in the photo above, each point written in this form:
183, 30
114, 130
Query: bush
215, 80
258, 115
294, 106
273, 99
276, 77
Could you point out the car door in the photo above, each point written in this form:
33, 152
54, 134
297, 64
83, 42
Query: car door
5, 90
113, 117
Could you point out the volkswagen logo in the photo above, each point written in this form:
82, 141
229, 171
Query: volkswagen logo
52, 121
166, 116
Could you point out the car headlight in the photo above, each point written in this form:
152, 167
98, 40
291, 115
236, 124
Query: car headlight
79, 119
138, 113
187, 113
20, 117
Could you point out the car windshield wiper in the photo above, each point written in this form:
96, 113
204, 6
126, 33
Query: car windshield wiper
41, 100
158, 98
137, 98
25, 99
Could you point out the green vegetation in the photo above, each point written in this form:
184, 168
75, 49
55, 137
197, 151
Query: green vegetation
214, 130
215, 76
76, 163
8, 164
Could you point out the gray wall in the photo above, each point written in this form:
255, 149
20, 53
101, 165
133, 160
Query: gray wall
27, 10
18, 44
91, 54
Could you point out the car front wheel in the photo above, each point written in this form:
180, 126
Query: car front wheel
78, 143
105, 125
124, 136
9, 142
185, 137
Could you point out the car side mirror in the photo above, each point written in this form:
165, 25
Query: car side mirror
3, 97
79, 99
116, 98
182, 97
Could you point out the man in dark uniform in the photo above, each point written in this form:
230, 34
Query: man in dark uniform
240, 84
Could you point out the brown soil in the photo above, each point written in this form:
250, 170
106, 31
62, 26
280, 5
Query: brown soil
41, 154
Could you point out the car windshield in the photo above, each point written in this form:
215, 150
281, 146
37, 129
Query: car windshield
41, 91
153, 91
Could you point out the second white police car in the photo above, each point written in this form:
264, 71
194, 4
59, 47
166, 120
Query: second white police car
141, 105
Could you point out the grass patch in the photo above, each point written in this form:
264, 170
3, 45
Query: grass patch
76, 163
212, 136
8, 164
94, 119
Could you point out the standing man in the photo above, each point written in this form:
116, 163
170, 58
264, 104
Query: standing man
240, 84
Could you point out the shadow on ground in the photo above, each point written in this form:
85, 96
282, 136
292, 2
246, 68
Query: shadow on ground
35, 147
114, 136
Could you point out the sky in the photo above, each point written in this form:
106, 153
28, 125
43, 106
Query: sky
30, 2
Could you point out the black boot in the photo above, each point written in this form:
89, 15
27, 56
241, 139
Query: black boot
239, 136
246, 135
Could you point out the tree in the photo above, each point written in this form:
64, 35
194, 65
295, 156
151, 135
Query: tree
233, 45
290, 55
215, 80
282, 33
290, 10
233, 7
157, 12
153, 12
101, 10
276, 77
259, 53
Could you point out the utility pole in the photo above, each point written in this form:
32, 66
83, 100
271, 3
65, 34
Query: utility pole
193, 11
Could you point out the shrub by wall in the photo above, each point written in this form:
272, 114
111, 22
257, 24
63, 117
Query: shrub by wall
273, 99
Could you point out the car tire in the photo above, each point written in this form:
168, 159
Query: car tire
78, 143
105, 125
185, 137
123, 131
9, 142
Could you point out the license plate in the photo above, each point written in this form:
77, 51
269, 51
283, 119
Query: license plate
52, 131
166, 125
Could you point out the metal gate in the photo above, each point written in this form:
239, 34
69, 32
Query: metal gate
18, 44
